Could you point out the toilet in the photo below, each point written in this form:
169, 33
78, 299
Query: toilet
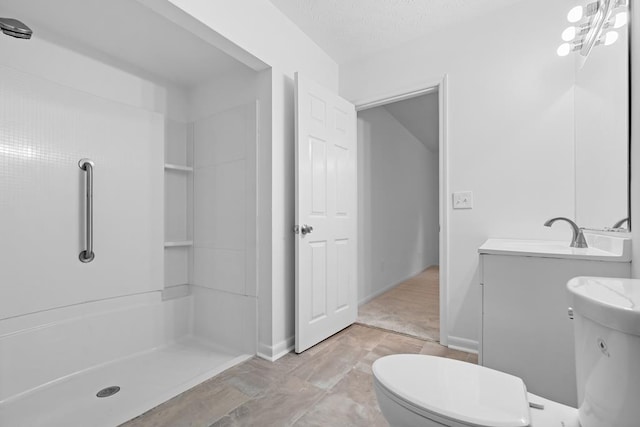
420, 390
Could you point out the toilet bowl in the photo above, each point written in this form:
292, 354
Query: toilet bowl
422, 391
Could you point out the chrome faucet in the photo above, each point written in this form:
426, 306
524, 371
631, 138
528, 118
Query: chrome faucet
619, 223
578, 240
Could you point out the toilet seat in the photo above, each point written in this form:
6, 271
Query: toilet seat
459, 393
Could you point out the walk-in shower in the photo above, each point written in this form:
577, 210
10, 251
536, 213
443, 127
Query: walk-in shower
171, 123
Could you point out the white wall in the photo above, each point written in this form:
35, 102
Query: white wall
510, 131
282, 216
264, 221
398, 200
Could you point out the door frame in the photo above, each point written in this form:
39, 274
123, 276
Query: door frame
422, 88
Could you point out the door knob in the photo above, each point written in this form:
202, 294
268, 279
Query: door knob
306, 229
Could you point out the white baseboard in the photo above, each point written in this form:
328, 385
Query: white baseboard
275, 352
391, 286
463, 344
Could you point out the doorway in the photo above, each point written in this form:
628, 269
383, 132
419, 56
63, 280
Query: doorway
401, 168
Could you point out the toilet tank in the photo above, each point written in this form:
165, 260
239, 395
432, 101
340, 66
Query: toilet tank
607, 349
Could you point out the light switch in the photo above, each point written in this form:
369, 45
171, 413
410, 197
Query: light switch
463, 200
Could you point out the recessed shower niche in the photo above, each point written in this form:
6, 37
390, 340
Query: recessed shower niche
171, 124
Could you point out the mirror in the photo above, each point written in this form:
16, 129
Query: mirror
602, 135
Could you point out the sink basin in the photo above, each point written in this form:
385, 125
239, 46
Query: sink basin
601, 248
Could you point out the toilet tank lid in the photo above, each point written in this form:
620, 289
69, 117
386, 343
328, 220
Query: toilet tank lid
611, 302
469, 394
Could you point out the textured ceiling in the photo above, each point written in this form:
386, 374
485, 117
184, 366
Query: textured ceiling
349, 29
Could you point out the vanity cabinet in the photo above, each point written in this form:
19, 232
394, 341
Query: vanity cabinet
526, 330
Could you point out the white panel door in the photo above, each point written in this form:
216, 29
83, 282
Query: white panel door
326, 287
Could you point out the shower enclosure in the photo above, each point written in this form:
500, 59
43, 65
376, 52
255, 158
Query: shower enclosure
128, 188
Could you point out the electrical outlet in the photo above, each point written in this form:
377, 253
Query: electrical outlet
463, 200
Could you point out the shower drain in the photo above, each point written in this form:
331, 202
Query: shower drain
109, 391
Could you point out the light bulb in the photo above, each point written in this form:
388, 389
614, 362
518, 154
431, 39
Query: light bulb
569, 34
610, 38
621, 19
575, 14
564, 49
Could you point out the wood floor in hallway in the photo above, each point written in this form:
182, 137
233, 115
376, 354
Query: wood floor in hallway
412, 307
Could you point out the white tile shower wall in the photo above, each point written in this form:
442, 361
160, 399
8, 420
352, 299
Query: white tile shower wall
60, 64
175, 205
224, 197
228, 91
45, 129
176, 182
220, 205
221, 138
226, 320
175, 143
176, 266
220, 269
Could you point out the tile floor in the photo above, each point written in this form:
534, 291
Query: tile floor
328, 385
412, 307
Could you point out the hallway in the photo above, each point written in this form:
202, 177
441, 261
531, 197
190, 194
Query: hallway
411, 308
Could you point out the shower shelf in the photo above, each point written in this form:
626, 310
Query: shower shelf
170, 166
177, 244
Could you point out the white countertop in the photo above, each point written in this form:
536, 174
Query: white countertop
601, 248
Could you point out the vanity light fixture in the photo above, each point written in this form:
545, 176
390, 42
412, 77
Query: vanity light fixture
594, 24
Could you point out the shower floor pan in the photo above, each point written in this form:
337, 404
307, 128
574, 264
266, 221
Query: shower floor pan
145, 380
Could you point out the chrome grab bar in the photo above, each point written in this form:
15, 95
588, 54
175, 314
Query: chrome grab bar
87, 255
